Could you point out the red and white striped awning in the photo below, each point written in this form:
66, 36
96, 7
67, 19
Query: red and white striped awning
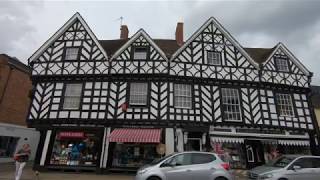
135, 135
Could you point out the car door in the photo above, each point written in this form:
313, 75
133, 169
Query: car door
178, 167
306, 171
315, 167
201, 166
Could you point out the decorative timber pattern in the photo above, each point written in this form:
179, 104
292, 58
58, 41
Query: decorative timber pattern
41, 101
90, 59
155, 110
125, 63
192, 60
294, 77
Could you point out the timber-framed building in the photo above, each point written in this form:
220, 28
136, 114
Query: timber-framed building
103, 104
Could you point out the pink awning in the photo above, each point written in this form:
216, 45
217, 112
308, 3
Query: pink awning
135, 135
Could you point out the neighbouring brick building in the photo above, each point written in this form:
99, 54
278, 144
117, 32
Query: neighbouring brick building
15, 86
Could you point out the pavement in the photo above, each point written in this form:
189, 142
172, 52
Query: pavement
7, 173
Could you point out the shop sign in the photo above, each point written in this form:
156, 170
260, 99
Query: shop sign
69, 134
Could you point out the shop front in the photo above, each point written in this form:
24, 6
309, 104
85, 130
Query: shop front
245, 151
74, 149
133, 148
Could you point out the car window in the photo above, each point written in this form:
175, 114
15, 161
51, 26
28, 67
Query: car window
303, 163
181, 160
316, 162
282, 161
198, 158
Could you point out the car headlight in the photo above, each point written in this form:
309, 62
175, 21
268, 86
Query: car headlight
142, 171
266, 176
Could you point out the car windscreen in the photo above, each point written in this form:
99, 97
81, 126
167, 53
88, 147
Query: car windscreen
282, 161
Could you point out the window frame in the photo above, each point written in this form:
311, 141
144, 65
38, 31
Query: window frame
277, 64
214, 52
191, 96
140, 47
62, 102
278, 106
147, 94
72, 47
223, 109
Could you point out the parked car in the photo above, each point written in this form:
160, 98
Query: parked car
289, 167
186, 166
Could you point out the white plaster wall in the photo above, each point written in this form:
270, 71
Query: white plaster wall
180, 143
169, 141
21, 132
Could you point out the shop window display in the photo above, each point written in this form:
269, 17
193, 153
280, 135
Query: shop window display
74, 149
230, 152
134, 155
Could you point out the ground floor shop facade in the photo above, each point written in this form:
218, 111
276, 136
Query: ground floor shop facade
113, 148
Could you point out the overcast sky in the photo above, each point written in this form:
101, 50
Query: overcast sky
25, 26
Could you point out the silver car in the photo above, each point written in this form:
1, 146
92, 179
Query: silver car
186, 166
289, 167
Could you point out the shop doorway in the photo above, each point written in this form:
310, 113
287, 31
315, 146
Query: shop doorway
254, 153
194, 144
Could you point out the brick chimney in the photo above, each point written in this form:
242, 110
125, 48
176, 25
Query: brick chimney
179, 33
124, 32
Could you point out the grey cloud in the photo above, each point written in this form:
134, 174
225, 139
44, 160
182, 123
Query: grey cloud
15, 29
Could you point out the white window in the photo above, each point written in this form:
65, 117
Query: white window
231, 104
282, 64
138, 93
182, 96
284, 103
213, 58
72, 96
72, 53
140, 53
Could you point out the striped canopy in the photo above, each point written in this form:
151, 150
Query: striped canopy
134, 135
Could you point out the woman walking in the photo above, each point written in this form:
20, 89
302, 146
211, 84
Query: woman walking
21, 158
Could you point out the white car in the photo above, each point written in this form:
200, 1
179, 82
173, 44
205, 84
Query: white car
186, 166
288, 167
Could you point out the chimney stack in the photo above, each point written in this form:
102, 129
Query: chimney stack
124, 32
179, 33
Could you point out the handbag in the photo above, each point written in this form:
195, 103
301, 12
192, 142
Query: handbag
16, 158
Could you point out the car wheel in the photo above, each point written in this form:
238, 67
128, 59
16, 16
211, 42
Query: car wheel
283, 179
220, 178
154, 178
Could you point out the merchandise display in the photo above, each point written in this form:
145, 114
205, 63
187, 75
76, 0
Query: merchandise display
134, 155
73, 149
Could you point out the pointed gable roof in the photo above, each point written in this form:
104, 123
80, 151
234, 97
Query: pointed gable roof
225, 33
141, 32
69, 23
295, 60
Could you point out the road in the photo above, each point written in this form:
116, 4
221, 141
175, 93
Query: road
7, 173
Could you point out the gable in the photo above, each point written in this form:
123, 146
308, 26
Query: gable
123, 60
213, 37
50, 59
297, 75
295, 66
